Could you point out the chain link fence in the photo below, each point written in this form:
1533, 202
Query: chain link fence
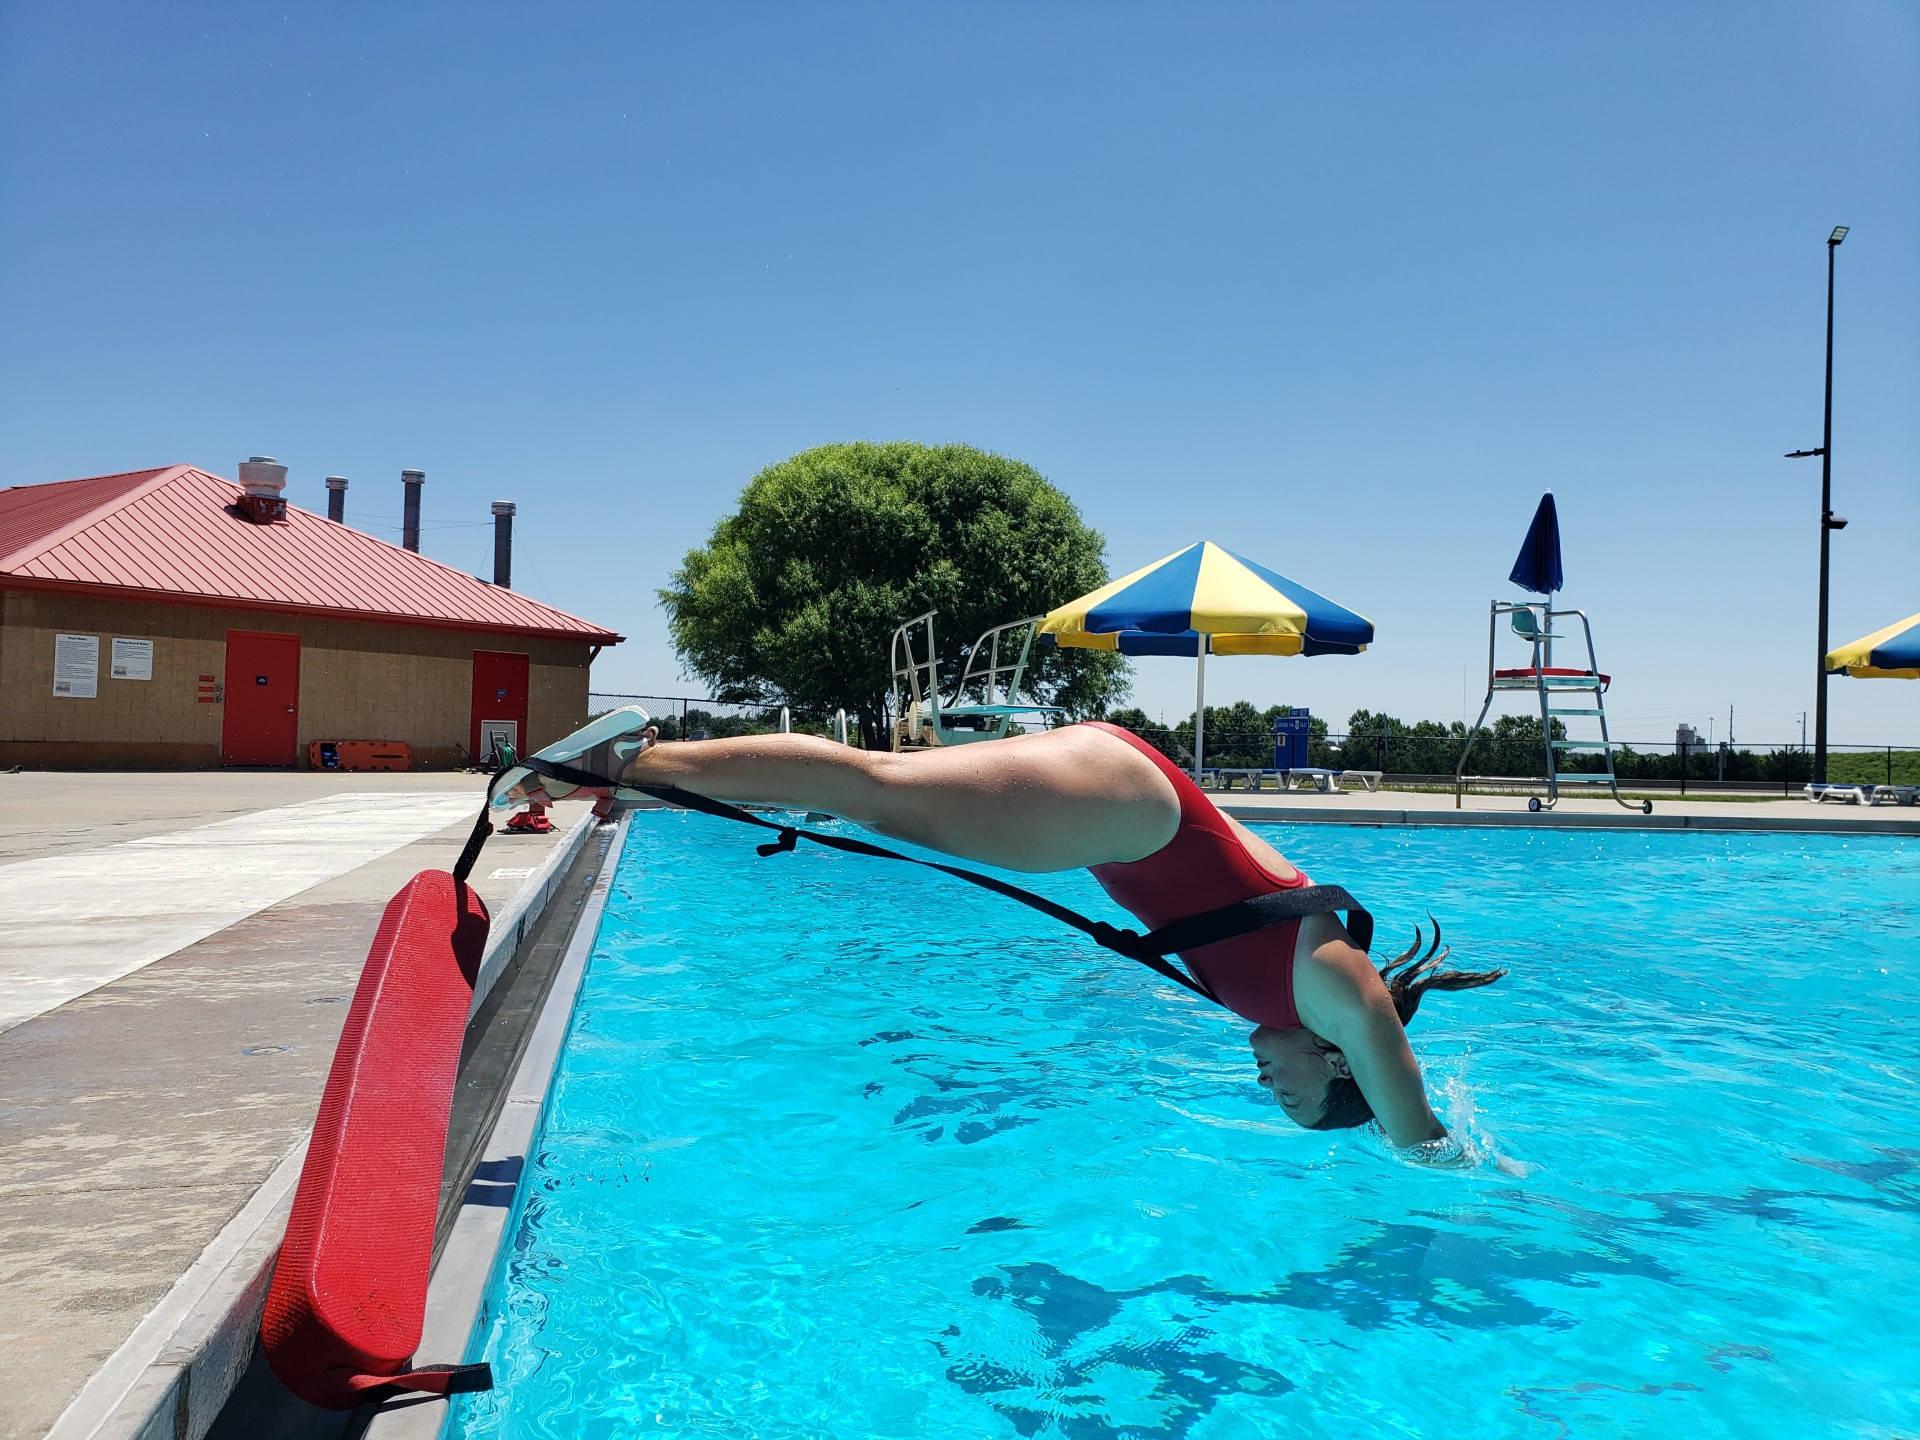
1407, 755
1517, 752
685, 717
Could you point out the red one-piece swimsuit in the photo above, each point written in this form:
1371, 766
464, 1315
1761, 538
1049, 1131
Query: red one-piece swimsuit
1204, 867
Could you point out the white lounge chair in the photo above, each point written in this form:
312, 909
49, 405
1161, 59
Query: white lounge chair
1370, 779
1895, 795
1310, 777
1845, 794
1224, 777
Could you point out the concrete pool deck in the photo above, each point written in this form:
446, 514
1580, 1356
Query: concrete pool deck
143, 1106
145, 1098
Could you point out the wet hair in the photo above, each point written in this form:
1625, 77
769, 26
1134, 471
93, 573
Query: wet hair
1407, 979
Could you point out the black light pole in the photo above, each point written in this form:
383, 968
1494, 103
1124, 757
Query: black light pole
1829, 522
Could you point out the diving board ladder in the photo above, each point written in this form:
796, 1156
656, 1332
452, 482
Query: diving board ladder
995, 670
1564, 692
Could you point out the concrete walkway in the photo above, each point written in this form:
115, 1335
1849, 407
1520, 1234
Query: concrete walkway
75, 921
138, 1117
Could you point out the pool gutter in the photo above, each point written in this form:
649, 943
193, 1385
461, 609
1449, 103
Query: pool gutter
466, 1264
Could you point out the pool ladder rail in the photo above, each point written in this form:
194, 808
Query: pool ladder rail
995, 670
1533, 622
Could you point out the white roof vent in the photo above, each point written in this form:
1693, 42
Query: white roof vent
264, 476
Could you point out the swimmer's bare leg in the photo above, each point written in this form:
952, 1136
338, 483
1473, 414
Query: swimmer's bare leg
1058, 800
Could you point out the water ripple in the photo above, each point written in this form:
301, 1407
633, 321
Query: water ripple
838, 1150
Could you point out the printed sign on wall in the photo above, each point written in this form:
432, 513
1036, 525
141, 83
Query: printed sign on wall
76, 666
132, 659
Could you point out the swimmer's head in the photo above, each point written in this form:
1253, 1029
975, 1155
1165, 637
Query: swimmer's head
1318, 1082
1300, 1071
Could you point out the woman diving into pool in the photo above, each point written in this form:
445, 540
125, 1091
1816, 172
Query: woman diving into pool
1331, 1043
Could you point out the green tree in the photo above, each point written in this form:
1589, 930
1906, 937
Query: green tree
1369, 738
796, 594
1238, 735
1133, 718
1161, 737
1512, 745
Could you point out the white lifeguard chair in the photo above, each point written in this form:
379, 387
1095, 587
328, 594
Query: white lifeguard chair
1553, 686
985, 704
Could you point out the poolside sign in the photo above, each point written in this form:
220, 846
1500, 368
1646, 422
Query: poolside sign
1290, 741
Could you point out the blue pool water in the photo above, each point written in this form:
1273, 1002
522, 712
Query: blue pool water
843, 1148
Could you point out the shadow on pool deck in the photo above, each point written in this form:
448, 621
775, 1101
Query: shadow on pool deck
139, 1118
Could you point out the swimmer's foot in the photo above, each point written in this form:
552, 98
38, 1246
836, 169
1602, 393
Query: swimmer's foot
605, 745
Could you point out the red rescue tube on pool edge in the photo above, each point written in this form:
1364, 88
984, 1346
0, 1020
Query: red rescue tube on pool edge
349, 1291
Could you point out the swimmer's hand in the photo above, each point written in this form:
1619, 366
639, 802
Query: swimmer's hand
1444, 1153
1452, 1154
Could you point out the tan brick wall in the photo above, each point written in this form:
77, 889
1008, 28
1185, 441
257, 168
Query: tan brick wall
358, 681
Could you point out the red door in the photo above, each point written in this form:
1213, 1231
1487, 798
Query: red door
499, 697
260, 722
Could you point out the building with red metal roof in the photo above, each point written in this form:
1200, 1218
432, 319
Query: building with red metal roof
170, 618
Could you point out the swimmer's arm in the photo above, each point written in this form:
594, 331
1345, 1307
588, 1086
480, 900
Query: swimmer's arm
1340, 998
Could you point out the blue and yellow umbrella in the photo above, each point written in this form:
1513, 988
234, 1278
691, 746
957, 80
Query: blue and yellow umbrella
1890, 653
1207, 600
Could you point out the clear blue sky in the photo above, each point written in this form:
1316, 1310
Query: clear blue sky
1343, 287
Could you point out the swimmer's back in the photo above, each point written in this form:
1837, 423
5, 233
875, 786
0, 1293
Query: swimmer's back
1205, 866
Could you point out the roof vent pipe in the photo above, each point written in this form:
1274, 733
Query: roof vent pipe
410, 512
262, 479
263, 475
503, 512
337, 499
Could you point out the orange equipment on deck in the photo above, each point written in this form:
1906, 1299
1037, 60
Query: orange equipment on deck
360, 755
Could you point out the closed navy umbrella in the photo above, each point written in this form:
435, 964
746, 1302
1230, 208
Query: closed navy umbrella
1538, 568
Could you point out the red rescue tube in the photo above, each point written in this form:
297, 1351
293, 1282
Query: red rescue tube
1549, 671
349, 1292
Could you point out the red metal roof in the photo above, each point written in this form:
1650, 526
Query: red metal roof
29, 513
173, 535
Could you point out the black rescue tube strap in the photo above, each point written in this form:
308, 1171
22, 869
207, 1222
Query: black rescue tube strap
477, 837
1207, 928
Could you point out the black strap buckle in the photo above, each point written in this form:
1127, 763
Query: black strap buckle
789, 839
